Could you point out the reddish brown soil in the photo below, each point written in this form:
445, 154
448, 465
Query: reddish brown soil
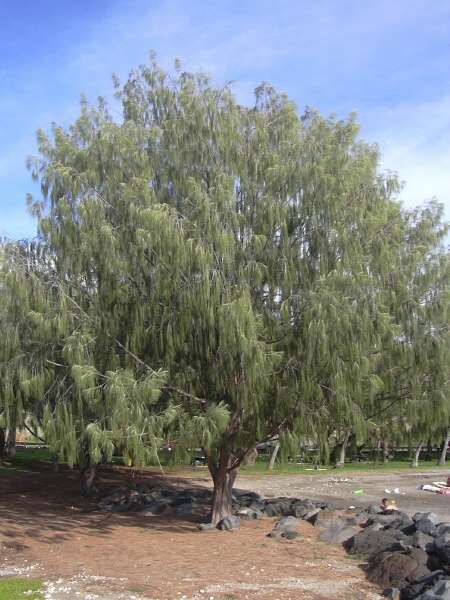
43, 521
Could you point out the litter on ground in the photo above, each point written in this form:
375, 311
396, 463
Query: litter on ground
314, 469
437, 487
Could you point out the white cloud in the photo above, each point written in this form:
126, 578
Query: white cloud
414, 140
335, 54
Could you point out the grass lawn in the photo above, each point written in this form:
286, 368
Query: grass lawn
27, 457
16, 588
260, 468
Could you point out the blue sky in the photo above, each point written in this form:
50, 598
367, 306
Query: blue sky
388, 60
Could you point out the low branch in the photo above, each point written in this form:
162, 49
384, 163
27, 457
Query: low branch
385, 408
33, 433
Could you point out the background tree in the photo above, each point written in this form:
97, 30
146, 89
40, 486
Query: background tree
415, 372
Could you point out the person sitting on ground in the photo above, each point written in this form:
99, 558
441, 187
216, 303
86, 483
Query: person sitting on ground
448, 482
388, 505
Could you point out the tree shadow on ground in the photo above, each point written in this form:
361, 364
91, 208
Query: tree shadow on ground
48, 507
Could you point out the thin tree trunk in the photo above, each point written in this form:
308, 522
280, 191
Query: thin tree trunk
250, 457
343, 449
2, 440
443, 456
415, 461
273, 456
55, 461
10, 446
385, 451
429, 450
223, 476
352, 448
377, 452
410, 449
88, 481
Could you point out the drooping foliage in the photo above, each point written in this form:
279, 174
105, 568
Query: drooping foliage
217, 274
417, 370
49, 371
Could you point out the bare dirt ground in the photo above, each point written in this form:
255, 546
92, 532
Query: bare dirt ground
339, 489
47, 531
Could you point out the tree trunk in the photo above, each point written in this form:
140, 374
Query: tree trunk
415, 461
352, 451
10, 446
88, 481
443, 456
385, 451
343, 449
273, 456
410, 449
429, 455
2, 440
223, 496
250, 458
55, 461
223, 476
376, 451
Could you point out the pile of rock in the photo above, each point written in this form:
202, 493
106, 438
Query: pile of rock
156, 499
153, 500
253, 506
409, 556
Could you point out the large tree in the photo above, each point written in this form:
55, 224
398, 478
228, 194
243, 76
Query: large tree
217, 273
